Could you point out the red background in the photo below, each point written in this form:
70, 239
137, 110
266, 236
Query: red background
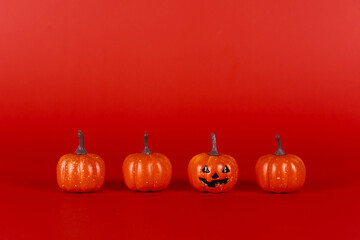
246, 70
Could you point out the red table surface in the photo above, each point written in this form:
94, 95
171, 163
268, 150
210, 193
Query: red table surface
246, 70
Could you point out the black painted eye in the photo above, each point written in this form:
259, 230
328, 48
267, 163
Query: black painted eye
205, 169
226, 169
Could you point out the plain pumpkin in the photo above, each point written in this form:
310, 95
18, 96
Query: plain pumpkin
280, 172
147, 171
80, 171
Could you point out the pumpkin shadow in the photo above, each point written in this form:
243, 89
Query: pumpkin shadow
325, 185
247, 186
114, 185
179, 185
310, 186
44, 185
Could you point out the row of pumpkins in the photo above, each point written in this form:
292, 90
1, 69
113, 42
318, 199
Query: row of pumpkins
207, 172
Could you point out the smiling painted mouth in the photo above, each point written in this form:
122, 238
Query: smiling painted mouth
213, 183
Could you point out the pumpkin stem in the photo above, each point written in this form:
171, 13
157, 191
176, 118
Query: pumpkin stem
214, 151
146, 148
81, 150
279, 151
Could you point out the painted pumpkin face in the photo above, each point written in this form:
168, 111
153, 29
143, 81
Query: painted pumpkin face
280, 172
80, 171
213, 172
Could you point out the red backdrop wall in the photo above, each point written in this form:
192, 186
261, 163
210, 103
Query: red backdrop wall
246, 70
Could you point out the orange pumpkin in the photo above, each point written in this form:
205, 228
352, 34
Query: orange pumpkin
81, 171
213, 172
147, 171
280, 172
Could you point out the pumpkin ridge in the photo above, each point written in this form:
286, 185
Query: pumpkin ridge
270, 163
192, 167
288, 173
136, 163
152, 172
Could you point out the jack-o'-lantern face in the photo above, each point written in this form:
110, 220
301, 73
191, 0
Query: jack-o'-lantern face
215, 178
213, 172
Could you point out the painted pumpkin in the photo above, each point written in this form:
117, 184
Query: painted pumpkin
213, 172
280, 172
81, 171
147, 171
